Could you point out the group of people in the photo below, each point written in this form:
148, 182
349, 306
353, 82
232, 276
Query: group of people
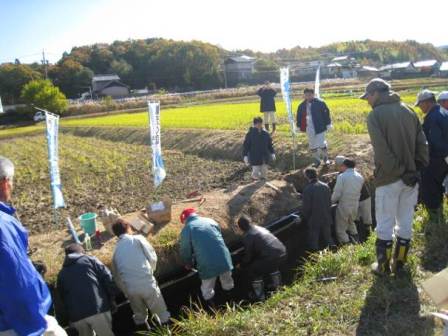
408, 157
411, 161
88, 289
313, 118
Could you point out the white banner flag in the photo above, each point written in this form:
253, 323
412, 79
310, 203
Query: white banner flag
317, 83
158, 167
286, 92
52, 121
1, 106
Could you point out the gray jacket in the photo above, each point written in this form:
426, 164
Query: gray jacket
316, 207
398, 140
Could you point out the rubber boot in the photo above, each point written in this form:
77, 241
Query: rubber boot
400, 254
274, 126
266, 126
276, 280
257, 290
354, 238
383, 255
210, 305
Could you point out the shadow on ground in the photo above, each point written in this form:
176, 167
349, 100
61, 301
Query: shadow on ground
392, 307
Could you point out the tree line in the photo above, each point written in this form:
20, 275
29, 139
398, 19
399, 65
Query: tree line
177, 65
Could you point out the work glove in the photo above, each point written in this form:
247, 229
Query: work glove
246, 160
273, 157
446, 160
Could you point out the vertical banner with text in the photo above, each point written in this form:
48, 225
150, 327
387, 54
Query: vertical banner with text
158, 168
52, 121
317, 83
286, 93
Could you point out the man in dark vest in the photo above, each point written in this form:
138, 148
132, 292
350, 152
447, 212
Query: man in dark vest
267, 105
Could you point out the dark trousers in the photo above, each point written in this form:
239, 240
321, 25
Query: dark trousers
319, 231
261, 267
432, 183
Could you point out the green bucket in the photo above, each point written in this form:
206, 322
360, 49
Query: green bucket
88, 222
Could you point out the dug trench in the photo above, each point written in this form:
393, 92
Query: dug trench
225, 200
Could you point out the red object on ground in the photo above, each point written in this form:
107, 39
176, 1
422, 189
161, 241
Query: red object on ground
186, 213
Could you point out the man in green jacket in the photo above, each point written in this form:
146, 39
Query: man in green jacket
401, 151
202, 245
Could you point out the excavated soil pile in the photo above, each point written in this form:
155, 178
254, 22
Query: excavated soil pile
263, 202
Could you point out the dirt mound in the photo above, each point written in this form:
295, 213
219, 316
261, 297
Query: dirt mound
263, 202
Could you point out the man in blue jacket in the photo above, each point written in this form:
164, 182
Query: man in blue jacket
87, 291
24, 296
313, 117
202, 245
435, 126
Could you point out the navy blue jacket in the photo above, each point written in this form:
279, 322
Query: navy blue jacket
435, 127
267, 102
85, 286
258, 146
24, 296
320, 114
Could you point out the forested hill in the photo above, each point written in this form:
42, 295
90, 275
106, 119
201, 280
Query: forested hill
177, 65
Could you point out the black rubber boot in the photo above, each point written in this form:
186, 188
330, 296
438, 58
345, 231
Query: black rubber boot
383, 255
266, 126
400, 254
257, 293
276, 280
274, 126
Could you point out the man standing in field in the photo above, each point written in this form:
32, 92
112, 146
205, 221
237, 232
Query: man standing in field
313, 117
346, 194
258, 150
202, 245
316, 210
267, 105
435, 126
24, 296
401, 150
134, 263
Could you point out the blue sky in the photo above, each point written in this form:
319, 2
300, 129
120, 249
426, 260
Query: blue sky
27, 27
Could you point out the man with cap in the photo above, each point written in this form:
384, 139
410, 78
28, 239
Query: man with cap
400, 151
442, 99
313, 117
267, 105
365, 201
24, 296
202, 246
346, 194
435, 126
133, 264
87, 292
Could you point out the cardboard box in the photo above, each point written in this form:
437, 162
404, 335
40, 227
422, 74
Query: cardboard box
159, 212
437, 289
139, 222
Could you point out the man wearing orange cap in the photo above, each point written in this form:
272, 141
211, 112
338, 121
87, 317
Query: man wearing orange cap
202, 245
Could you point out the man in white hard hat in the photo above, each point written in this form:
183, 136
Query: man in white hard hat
435, 126
442, 99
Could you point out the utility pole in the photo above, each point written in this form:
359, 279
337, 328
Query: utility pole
44, 63
225, 76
